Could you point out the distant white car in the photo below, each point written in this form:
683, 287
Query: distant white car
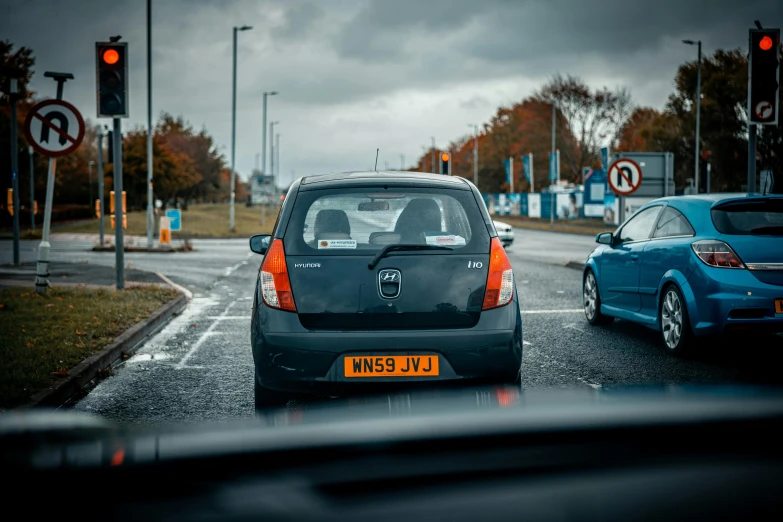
505, 232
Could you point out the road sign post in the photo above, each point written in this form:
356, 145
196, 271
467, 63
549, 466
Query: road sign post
53, 141
15, 168
32, 190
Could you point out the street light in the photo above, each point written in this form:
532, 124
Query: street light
475, 152
263, 133
234, 127
89, 170
272, 152
698, 111
433, 154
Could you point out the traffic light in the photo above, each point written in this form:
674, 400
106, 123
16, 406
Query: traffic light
124, 221
10, 201
764, 75
112, 78
445, 159
98, 208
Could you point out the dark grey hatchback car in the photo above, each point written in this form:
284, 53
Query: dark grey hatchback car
382, 279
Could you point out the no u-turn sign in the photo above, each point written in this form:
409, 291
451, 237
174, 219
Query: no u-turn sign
625, 176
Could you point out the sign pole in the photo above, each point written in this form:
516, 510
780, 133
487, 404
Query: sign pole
511, 172
42, 267
32, 190
42, 270
118, 210
15, 169
100, 184
532, 177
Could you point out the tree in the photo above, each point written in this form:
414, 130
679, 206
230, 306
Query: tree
592, 117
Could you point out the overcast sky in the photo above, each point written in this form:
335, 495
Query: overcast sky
354, 75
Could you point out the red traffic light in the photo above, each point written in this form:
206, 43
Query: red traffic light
111, 56
765, 44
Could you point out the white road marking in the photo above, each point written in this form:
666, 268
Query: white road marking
567, 311
526, 343
561, 291
207, 333
231, 269
229, 317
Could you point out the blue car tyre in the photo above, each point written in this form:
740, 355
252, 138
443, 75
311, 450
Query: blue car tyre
674, 322
592, 301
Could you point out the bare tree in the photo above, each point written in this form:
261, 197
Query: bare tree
592, 117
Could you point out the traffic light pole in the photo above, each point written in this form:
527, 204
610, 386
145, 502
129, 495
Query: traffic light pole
100, 184
751, 159
118, 210
150, 201
15, 169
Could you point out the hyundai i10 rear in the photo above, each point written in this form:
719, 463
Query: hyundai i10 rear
376, 280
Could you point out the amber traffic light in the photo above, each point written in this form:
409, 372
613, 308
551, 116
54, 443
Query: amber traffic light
445, 159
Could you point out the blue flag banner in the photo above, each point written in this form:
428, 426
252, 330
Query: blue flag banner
552, 166
526, 167
605, 158
507, 167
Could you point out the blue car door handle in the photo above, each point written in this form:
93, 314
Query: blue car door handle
634, 257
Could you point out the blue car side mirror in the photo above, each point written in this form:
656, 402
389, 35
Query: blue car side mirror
604, 238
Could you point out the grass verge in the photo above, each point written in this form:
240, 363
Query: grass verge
203, 221
44, 336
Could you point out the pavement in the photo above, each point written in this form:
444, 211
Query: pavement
200, 366
81, 274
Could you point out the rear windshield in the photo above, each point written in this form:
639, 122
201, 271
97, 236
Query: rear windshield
362, 221
752, 217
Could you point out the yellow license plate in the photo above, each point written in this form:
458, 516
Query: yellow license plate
779, 306
392, 366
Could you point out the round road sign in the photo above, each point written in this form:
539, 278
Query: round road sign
625, 176
763, 110
54, 128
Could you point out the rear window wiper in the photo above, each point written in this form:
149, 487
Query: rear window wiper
767, 230
391, 248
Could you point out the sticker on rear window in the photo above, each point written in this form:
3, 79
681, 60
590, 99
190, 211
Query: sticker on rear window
336, 243
446, 240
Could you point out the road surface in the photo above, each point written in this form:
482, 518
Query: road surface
200, 367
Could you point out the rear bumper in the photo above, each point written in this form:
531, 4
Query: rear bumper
290, 358
728, 300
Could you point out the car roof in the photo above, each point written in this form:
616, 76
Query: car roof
382, 177
710, 200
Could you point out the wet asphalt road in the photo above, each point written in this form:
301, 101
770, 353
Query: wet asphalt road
200, 366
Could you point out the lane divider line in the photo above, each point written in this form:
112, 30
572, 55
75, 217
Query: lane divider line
207, 333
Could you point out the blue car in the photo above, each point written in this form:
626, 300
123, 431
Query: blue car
690, 266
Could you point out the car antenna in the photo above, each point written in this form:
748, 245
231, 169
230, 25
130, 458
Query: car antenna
376, 160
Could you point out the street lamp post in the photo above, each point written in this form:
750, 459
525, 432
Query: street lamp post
263, 134
89, 170
475, 152
698, 112
272, 159
234, 127
433, 154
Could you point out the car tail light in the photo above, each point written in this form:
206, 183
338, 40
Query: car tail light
500, 279
717, 253
275, 285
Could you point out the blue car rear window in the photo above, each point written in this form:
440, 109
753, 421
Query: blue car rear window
762, 216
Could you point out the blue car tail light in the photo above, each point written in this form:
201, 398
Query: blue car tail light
717, 254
